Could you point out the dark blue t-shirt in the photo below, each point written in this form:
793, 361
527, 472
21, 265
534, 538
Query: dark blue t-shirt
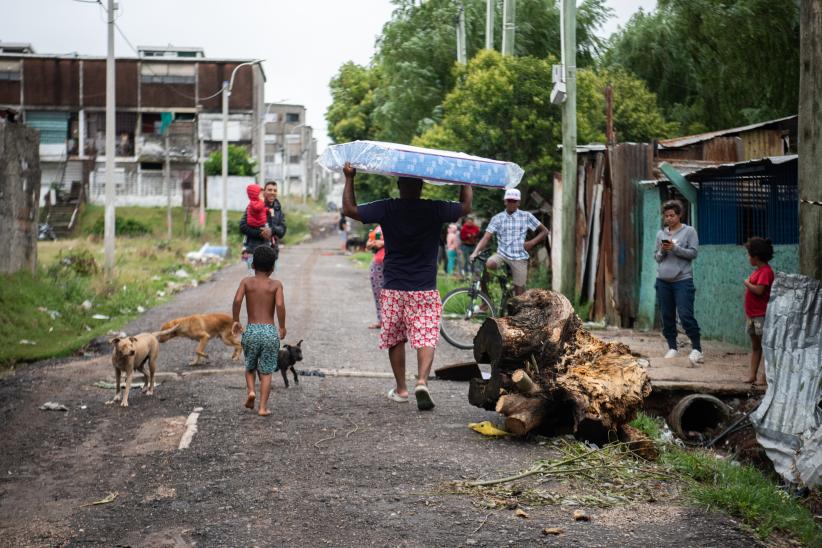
411, 230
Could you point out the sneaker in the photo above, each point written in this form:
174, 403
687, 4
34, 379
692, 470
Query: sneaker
672, 353
696, 357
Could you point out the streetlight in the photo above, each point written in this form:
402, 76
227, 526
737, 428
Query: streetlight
227, 85
293, 131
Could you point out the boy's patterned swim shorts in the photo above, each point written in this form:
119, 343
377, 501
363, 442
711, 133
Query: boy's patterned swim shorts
261, 345
410, 316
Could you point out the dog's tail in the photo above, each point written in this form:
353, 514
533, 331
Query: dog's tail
166, 334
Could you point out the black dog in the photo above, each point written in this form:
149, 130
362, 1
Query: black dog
288, 356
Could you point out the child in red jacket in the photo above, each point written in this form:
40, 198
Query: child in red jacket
757, 292
256, 213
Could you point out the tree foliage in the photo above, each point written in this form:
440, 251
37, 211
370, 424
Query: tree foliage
501, 108
239, 162
715, 63
417, 51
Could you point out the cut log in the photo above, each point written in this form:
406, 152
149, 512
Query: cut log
522, 413
549, 374
539, 322
524, 383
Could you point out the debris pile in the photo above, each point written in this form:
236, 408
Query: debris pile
550, 375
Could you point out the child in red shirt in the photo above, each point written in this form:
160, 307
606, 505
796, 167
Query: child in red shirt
757, 292
256, 213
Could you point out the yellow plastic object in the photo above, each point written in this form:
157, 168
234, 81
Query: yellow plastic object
488, 428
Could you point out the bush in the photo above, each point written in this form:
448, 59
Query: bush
80, 263
122, 227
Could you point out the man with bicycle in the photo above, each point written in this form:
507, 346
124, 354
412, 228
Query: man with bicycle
510, 227
409, 301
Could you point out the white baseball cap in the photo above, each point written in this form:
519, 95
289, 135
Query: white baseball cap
512, 194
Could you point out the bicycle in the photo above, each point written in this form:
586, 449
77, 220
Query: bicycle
464, 309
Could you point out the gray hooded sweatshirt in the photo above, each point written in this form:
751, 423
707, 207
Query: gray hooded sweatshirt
675, 265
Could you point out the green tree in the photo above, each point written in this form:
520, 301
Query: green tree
416, 54
352, 103
715, 63
239, 162
501, 108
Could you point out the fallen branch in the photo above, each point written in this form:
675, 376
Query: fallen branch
331, 437
481, 524
110, 498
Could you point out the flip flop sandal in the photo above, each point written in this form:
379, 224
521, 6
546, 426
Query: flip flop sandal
424, 401
393, 396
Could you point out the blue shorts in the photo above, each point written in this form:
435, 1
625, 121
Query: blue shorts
261, 345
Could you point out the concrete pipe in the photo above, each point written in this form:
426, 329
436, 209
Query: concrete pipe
695, 417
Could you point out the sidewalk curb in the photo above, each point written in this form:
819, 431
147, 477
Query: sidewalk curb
239, 370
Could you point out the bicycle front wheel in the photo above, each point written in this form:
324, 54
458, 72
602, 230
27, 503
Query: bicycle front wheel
463, 311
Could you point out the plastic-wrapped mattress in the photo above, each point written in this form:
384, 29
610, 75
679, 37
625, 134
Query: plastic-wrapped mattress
439, 166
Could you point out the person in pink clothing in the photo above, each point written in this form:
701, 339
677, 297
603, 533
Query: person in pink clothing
757, 293
257, 214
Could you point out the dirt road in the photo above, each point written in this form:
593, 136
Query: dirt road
337, 464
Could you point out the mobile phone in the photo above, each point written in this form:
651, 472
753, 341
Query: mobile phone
666, 241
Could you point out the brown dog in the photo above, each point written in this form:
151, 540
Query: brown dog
130, 353
203, 327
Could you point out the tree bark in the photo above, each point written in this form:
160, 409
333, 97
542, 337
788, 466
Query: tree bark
810, 138
548, 373
523, 413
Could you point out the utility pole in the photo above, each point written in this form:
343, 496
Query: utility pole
569, 151
810, 138
462, 57
489, 23
509, 13
108, 231
224, 213
167, 179
201, 180
227, 85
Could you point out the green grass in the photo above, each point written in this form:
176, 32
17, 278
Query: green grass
362, 259
44, 311
188, 227
737, 489
45, 308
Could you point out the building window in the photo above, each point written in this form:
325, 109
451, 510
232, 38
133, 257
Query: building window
151, 166
294, 159
732, 209
292, 117
10, 70
167, 73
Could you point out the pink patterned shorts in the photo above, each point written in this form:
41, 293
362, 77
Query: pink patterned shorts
410, 315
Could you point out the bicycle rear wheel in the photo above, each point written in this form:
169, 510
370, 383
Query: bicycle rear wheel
463, 311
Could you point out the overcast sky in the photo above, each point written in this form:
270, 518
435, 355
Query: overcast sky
303, 41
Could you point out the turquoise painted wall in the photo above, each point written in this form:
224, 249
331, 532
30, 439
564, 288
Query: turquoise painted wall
651, 221
718, 274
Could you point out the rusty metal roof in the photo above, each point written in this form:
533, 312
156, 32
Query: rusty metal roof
730, 168
678, 142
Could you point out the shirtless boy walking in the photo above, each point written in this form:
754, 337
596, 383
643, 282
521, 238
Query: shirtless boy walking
261, 342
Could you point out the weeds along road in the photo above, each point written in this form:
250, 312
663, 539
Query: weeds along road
336, 464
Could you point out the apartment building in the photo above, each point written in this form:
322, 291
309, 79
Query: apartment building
291, 151
168, 104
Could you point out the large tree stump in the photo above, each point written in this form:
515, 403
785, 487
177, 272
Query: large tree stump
549, 374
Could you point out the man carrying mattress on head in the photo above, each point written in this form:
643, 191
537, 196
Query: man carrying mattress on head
410, 303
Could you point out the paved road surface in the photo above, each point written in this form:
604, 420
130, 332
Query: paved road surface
337, 464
